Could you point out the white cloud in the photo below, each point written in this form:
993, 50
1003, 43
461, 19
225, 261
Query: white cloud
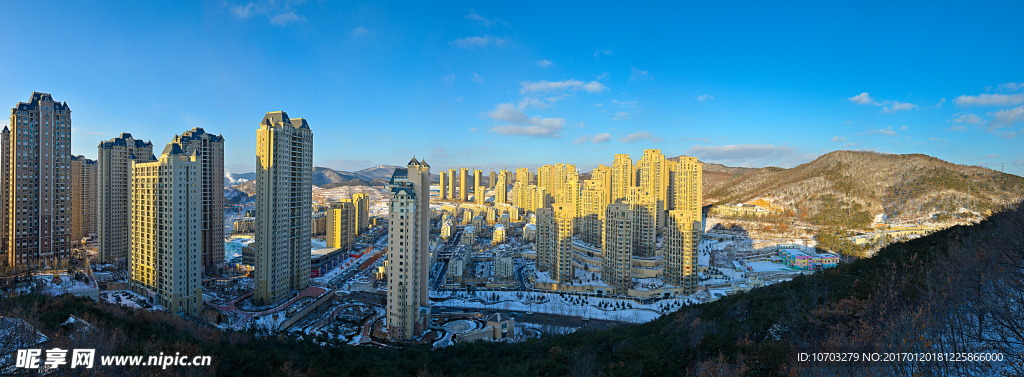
990, 100
903, 128
529, 102
936, 139
887, 132
1007, 117
359, 32
581, 139
477, 78
602, 75
863, 99
523, 124
484, 21
738, 153
581, 125
285, 19
601, 52
474, 129
895, 106
458, 99
640, 136
1012, 86
957, 129
448, 80
629, 104
548, 86
1018, 162
279, 13
838, 139
638, 75
545, 63
704, 97
992, 156
481, 42
966, 118
602, 138
620, 116
939, 105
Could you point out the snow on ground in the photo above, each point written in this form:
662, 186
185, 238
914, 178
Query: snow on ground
317, 244
552, 303
233, 246
769, 267
55, 285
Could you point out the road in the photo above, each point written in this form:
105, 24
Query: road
521, 277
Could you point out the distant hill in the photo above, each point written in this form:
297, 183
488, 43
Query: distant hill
231, 179
902, 187
323, 177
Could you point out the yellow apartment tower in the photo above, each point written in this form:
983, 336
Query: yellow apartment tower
284, 185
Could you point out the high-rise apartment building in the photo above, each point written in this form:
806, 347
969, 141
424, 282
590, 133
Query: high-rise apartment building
617, 255
685, 185
451, 184
645, 221
208, 150
547, 237
554, 248
524, 175
408, 311
501, 188
492, 180
654, 179
341, 225
83, 197
284, 185
684, 226
622, 177
603, 176
463, 184
681, 239
443, 184
114, 201
36, 204
593, 201
479, 192
361, 200
166, 241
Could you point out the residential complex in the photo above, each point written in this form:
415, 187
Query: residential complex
166, 241
36, 150
83, 197
284, 184
114, 165
408, 250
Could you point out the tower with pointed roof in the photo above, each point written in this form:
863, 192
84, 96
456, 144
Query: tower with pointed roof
208, 152
407, 266
284, 200
36, 188
166, 247
114, 160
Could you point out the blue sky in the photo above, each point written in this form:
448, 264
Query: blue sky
496, 84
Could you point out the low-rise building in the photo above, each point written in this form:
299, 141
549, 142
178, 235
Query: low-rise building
324, 259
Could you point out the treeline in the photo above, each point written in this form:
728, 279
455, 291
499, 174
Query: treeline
957, 290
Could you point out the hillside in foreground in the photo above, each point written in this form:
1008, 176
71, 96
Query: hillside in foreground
957, 291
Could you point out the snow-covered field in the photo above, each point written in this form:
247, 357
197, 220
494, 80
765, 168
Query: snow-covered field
553, 303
